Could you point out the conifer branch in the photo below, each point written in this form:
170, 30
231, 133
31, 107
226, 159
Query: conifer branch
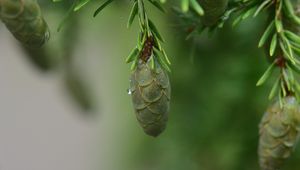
283, 45
149, 46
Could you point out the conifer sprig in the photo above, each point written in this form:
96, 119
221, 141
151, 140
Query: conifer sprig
283, 45
211, 17
187, 5
148, 30
280, 38
149, 46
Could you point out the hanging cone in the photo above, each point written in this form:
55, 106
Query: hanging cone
150, 90
24, 20
279, 131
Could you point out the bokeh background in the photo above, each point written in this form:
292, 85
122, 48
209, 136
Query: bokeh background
215, 107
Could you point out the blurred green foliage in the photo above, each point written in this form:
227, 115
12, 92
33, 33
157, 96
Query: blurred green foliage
215, 106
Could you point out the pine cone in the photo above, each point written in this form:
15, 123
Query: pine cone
24, 20
279, 131
150, 90
213, 10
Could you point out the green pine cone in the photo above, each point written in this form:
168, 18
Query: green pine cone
24, 20
151, 91
213, 10
279, 131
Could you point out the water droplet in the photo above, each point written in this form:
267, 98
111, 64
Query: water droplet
129, 91
47, 35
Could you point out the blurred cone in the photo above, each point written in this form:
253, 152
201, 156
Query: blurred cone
24, 20
79, 90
